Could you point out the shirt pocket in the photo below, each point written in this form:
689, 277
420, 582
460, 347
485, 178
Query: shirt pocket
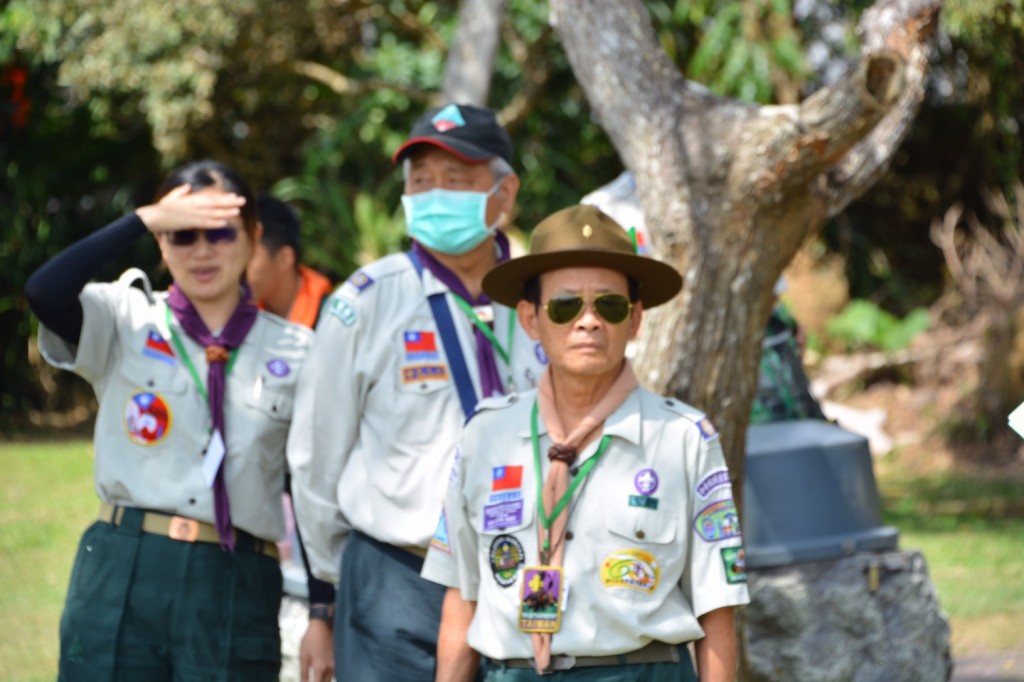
643, 554
642, 526
153, 376
152, 396
274, 402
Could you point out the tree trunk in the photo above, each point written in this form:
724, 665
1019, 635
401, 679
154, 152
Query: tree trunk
470, 63
731, 190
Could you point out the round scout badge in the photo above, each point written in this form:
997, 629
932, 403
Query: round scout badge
147, 418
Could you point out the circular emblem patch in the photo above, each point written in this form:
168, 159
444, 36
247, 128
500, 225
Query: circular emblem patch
646, 481
506, 556
633, 568
147, 418
278, 367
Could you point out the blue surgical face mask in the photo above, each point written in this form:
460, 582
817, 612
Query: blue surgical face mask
448, 221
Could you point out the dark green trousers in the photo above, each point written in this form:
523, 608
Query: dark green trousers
638, 672
145, 607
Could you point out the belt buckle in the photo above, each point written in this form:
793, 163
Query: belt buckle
183, 528
562, 662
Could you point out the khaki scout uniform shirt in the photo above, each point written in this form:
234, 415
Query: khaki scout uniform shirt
377, 413
654, 538
153, 424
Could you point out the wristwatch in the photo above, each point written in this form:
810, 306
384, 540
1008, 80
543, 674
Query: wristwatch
324, 612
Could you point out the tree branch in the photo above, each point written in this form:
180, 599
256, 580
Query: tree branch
535, 74
623, 77
908, 28
343, 85
848, 131
410, 21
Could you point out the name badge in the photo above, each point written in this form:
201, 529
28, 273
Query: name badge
540, 608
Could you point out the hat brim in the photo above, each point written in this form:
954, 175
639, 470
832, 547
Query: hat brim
465, 151
658, 282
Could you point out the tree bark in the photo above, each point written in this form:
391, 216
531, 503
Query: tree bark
470, 63
730, 190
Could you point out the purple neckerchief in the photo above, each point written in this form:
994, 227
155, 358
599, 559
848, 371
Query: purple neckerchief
217, 353
490, 379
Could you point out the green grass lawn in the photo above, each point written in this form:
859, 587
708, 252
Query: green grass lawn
46, 501
970, 529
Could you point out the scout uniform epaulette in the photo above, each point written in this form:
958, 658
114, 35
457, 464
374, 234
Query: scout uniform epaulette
498, 402
363, 278
692, 414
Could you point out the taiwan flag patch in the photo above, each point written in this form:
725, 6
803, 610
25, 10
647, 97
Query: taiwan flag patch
157, 348
506, 478
420, 345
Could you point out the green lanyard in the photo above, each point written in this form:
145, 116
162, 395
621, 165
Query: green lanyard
506, 354
180, 347
584, 470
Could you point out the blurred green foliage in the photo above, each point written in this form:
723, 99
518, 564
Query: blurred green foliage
309, 99
863, 325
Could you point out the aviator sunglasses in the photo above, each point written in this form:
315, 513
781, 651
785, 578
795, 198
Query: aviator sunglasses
564, 309
215, 235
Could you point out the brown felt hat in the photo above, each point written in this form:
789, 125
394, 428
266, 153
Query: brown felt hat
583, 237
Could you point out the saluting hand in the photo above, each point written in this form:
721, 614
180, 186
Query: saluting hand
183, 209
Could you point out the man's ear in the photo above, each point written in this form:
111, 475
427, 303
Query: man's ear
526, 312
636, 318
287, 254
509, 190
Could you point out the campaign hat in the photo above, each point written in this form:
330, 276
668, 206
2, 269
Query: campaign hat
582, 236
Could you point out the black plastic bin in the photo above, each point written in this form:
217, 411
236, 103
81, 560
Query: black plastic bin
809, 495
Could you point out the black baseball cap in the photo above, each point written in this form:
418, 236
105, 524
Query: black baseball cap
471, 133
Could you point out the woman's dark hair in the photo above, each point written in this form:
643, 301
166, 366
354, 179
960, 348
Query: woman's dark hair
531, 290
202, 174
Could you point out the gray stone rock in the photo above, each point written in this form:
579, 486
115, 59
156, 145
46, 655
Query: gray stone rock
831, 621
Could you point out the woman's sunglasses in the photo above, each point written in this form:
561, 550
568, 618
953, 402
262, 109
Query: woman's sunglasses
216, 235
613, 308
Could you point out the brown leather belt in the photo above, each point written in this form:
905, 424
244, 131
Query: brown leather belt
182, 528
655, 652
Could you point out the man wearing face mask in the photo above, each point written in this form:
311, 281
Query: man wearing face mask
403, 352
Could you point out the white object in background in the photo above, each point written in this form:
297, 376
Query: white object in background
1016, 419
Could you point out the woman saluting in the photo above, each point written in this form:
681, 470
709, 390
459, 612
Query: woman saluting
178, 578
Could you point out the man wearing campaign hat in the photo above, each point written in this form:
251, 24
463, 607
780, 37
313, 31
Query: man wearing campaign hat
403, 352
604, 558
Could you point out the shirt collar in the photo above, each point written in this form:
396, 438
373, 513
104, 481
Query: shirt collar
623, 423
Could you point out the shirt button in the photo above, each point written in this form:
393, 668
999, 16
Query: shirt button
568, 535
640, 534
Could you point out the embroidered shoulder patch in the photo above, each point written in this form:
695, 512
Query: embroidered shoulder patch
719, 478
718, 521
707, 429
359, 280
734, 562
343, 310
